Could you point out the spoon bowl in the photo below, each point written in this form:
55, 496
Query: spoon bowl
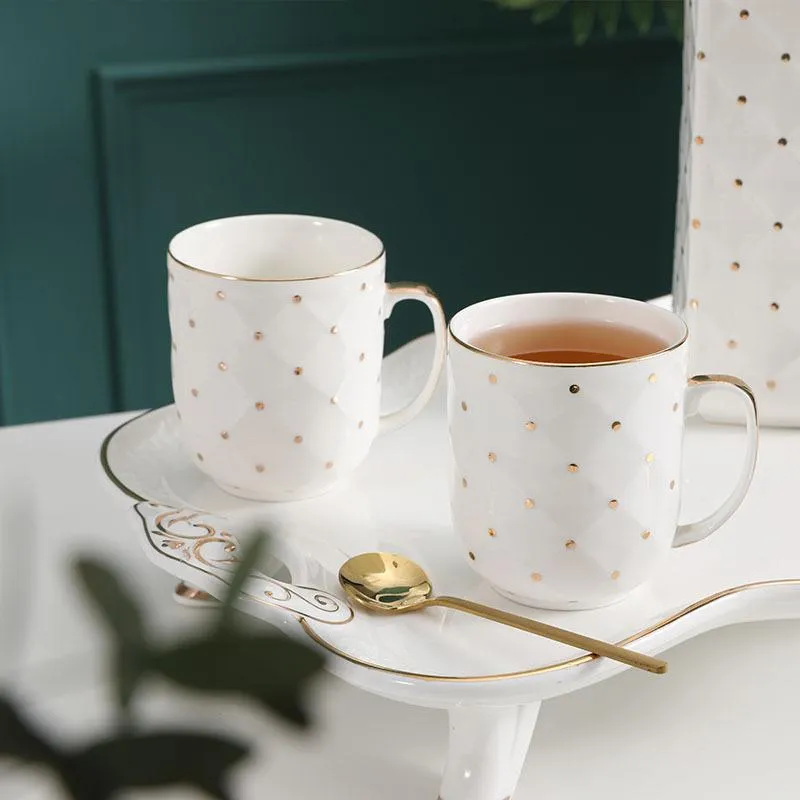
385, 582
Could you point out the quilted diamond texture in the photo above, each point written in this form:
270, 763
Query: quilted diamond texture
736, 280
568, 494
277, 383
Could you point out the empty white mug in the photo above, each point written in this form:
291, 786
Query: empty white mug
566, 482
277, 337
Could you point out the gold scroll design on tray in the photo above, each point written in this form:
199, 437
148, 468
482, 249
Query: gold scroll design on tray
195, 543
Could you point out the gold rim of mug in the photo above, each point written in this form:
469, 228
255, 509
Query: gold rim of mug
617, 362
225, 276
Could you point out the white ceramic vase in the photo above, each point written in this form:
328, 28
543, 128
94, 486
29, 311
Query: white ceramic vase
736, 278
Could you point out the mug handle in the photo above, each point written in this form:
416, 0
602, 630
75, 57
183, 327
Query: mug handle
698, 387
396, 293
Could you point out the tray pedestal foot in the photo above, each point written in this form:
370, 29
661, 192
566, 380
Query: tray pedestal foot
486, 751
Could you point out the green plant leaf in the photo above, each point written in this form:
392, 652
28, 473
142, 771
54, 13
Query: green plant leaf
19, 740
112, 601
583, 14
608, 13
131, 663
673, 14
270, 669
251, 554
166, 758
642, 13
545, 10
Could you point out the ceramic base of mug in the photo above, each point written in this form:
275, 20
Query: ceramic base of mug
285, 496
551, 605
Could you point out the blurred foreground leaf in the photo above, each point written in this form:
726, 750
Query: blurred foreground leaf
270, 669
165, 758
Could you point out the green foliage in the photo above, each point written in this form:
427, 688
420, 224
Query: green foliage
607, 13
268, 669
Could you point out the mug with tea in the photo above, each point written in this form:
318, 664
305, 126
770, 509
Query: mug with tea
277, 340
566, 415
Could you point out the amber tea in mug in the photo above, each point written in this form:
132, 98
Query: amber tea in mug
571, 342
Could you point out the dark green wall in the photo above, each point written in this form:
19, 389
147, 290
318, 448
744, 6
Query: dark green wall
491, 157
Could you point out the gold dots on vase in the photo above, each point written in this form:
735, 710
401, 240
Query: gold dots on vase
572, 468
260, 467
195, 393
298, 439
230, 547
360, 424
774, 306
650, 458
259, 406
258, 336
735, 266
616, 425
786, 57
530, 425
298, 370
329, 465
362, 356
732, 344
615, 575
464, 482
225, 435
574, 388
334, 329
528, 502
778, 226
771, 385
783, 141
222, 366
191, 322
199, 456
646, 535
363, 287
744, 14
536, 577
570, 544
672, 485
492, 532
297, 299
701, 56
220, 295
492, 457
492, 378
738, 183
652, 377
471, 555
463, 406
699, 140
696, 223
334, 400
694, 304
612, 504
741, 100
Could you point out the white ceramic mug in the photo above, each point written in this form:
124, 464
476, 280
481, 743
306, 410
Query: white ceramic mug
567, 479
277, 338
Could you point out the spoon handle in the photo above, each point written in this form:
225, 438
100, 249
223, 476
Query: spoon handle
595, 646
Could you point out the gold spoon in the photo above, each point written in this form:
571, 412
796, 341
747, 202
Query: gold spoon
394, 584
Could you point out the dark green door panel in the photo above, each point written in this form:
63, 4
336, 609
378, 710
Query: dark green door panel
489, 156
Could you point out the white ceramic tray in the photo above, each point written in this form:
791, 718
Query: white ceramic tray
490, 678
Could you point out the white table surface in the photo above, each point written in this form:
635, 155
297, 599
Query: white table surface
722, 723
